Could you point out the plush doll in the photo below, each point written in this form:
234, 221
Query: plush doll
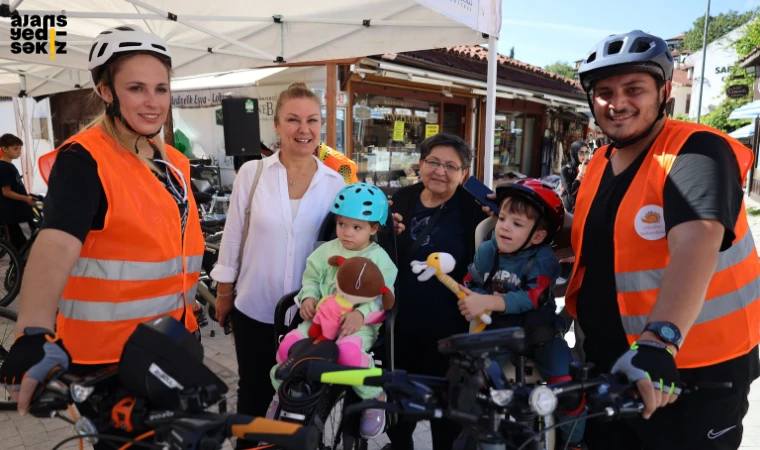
358, 281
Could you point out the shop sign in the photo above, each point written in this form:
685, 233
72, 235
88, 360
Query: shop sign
737, 91
430, 130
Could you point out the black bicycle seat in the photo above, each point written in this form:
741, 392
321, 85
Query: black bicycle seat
304, 351
499, 340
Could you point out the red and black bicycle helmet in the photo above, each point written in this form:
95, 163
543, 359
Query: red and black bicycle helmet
542, 197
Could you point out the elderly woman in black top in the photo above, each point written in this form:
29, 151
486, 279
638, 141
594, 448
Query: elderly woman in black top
428, 311
573, 173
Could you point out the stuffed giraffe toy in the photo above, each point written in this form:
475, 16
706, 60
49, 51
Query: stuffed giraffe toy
440, 265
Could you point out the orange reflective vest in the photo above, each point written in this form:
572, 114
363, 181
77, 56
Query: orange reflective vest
729, 324
338, 162
138, 266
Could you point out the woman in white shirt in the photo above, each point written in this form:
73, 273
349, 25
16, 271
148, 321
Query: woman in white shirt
292, 199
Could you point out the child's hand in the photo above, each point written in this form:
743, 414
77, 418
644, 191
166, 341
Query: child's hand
351, 323
308, 308
474, 305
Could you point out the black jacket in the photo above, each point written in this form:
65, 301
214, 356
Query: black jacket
404, 202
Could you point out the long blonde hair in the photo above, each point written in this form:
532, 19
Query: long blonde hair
124, 139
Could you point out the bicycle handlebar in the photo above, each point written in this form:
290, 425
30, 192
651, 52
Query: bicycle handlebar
188, 430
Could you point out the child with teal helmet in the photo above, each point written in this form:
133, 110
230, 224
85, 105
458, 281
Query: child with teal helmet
360, 210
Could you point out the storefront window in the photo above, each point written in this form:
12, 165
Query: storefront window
508, 144
387, 133
340, 135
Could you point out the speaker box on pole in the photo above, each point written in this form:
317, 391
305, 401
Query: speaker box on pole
241, 126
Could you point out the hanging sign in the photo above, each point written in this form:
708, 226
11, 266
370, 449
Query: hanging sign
398, 130
431, 130
737, 91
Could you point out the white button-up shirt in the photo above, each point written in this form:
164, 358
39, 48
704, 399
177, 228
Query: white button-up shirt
274, 257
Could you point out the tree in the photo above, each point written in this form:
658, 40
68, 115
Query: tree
719, 25
512, 52
561, 68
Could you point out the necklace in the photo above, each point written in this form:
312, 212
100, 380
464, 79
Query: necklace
291, 183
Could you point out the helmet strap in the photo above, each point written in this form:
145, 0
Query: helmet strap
113, 110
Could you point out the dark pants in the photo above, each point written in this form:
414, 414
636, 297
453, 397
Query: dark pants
707, 420
254, 346
422, 358
16, 235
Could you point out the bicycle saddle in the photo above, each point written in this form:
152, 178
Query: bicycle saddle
304, 351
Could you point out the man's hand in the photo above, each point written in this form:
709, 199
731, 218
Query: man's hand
31, 201
652, 367
398, 227
474, 305
308, 308
351, 323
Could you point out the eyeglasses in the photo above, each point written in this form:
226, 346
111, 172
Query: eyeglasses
436, 164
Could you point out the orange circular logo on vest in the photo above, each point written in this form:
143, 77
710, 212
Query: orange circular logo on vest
650, 222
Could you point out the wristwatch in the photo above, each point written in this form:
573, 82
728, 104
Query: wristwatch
667, 332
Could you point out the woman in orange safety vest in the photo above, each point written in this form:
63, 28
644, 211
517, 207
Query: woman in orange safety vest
121, 242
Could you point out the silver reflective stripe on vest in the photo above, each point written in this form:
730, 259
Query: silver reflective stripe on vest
104, 269
190, 294
193, 263
112, 312
712, 309
644, 280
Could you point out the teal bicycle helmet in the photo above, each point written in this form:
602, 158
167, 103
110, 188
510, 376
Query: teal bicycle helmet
361, 201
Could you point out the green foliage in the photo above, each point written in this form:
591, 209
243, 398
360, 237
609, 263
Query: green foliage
561, 68
718, 118
718, 26
684, 118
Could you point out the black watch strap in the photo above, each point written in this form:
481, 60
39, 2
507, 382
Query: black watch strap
668, 332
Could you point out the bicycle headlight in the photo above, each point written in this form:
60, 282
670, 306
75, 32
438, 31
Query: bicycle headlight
81, 393
542, 401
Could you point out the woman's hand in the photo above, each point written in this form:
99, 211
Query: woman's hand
486, 209
474, 305
398, 227
308, 308
225, 299
351, 323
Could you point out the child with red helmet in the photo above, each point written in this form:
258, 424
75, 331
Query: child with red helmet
513, 275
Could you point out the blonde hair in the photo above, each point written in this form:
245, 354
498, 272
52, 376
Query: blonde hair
296, 90
124, 139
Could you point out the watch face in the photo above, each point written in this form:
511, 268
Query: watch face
667, 333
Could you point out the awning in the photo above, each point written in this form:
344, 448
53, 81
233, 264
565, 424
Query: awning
743, 132
748, 111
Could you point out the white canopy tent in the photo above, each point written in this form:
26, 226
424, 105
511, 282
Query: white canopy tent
225, 35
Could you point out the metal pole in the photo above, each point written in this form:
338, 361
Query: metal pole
704, 56
493, 56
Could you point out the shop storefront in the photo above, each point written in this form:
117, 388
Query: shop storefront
390, 121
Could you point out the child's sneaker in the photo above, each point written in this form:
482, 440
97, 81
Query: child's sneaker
373, 421
272, 410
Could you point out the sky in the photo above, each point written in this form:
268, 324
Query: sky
545, 31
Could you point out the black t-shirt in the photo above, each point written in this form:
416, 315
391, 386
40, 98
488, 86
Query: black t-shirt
76, 202
13, 211
429, 309
703, 184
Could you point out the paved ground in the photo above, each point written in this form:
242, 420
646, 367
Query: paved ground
29, 433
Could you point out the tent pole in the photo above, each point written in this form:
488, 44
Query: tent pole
26, 159
493, 44
331, 103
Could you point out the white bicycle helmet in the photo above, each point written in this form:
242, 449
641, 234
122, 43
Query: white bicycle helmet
115, 42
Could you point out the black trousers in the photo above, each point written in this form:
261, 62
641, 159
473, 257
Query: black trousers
422, 358
707, 420
16, 235
254, 346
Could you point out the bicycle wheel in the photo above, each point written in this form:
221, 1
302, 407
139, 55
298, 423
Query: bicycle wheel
8, 319
10, 272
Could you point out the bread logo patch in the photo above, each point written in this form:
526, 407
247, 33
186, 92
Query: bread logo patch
649, 223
